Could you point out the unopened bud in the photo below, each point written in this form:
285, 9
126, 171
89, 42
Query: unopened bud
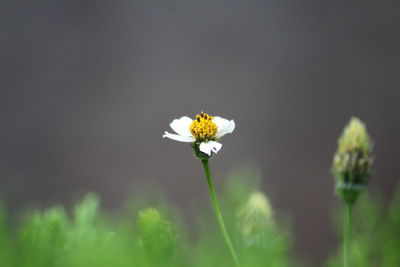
352, 161
254, 218
156, 236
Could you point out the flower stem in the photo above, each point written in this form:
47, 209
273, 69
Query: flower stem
218, 212
347, 235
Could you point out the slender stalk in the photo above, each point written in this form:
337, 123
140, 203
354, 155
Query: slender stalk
347, 235
218, 212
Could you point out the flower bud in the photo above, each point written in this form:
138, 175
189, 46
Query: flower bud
352, 161
156, 237
254, 218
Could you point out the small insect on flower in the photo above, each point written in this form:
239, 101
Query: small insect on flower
204, 132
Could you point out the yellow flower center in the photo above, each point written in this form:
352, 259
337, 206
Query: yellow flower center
203, 128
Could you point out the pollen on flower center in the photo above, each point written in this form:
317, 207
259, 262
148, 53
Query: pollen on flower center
203, 128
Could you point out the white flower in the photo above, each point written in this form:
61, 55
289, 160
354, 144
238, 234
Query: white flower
205, 130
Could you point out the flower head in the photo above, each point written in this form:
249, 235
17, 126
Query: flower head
204, 132
352, 161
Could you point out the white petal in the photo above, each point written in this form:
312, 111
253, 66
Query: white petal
224, 126
181, 126
209, 147
178, 137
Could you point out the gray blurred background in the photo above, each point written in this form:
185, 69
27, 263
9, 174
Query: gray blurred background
88, 87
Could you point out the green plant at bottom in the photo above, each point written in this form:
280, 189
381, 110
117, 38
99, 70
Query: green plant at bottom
86, 235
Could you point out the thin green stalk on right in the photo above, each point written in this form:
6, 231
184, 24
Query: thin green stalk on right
347, 235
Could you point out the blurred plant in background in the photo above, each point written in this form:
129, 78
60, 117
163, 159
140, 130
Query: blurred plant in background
149, 232
143, 235
247, 211
156, 239
261, 240
376, 235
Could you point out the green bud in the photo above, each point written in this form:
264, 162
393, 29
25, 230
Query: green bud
86, 212
254, 218
352, 161
156, 236
150, 220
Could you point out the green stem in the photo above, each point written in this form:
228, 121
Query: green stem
347, 235
218, 212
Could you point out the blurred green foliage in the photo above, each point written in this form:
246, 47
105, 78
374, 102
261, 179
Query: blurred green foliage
149, 232
376, 232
